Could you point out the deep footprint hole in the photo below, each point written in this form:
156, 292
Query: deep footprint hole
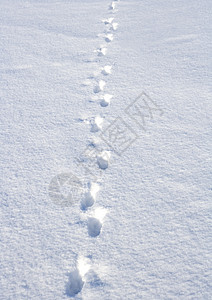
94, 227
75, 284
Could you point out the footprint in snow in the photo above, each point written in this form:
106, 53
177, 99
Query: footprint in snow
103, 160
105, 101
90, 196
114, 26
94, 279
109, 37
87, 82
108, 21
95, 222
97, 125
75, 284
77, 277
112, 5
101, 51
94, 227
93, 75
99, 87
106, 70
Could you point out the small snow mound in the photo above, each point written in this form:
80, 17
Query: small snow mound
94, 189
114, 26
94, 227
83, 266
100, 213
103, 160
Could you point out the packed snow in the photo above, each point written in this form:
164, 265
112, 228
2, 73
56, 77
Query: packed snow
105, 149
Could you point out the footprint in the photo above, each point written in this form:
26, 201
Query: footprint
101, 51
93, 75
106, 70
103, 160
100, 86
94, 227
77, 277
108, 21
97, 125
106, 100
75, 284
94, 280
95, 222
114, 26
87, 82
109, 37
112, 5
90, 196
83, 119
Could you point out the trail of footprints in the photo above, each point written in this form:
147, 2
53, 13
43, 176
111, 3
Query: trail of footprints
95, 216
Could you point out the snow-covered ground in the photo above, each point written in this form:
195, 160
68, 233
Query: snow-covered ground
120, 88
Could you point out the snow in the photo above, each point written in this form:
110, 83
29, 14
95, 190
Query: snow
134, 219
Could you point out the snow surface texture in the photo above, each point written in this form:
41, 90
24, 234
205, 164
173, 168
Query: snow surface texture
105, 136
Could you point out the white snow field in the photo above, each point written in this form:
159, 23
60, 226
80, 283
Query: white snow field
105, 149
